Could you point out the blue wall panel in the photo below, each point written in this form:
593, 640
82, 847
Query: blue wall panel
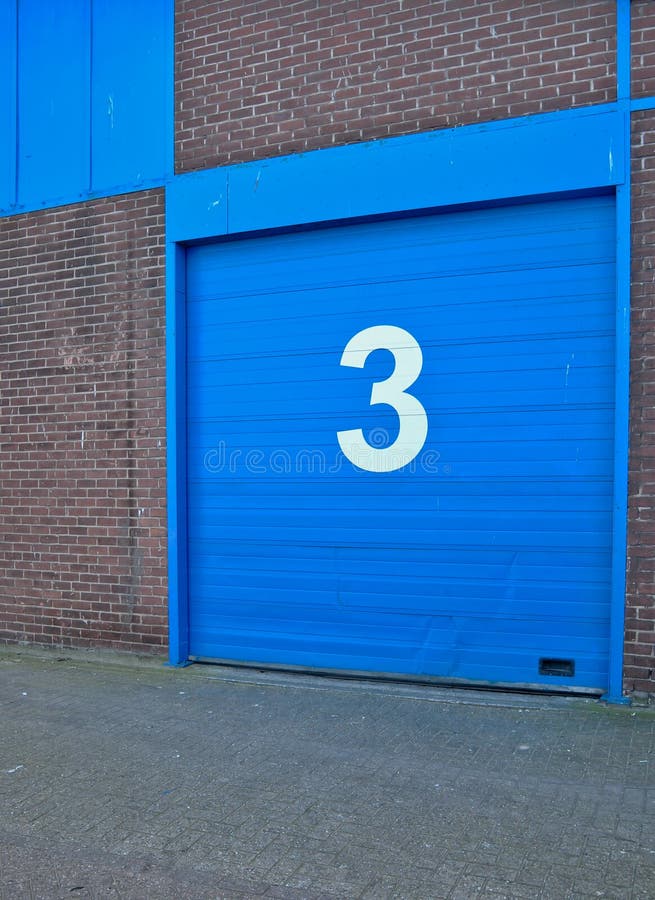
130, 71
493, 548
86, 103
53, 92
8, 14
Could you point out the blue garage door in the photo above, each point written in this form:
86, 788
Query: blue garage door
400, 443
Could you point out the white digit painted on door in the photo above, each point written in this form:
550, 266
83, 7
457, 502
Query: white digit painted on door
411, 413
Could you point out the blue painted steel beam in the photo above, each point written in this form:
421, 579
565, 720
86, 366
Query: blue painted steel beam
642, 103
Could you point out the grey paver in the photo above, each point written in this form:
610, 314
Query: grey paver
139, 781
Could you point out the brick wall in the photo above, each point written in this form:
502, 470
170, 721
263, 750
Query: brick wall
640, 618
643, 47
259, 78
82, 468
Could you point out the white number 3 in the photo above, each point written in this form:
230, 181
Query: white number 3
413, 418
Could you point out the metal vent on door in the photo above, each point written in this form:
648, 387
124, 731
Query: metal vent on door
563, 667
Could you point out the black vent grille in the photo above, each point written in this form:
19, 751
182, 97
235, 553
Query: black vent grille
563, 667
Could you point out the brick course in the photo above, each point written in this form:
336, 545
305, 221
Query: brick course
260, 78
642, 38
82, 428
640, 614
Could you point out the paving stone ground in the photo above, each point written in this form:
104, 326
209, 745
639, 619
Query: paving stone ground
138, 781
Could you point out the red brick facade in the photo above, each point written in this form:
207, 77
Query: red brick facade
264, 78
82, 430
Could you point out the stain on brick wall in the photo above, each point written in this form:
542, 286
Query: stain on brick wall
640, 615
260, 78
82, 427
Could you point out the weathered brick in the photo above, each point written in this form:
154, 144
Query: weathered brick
643, 47
440, 64
82, 431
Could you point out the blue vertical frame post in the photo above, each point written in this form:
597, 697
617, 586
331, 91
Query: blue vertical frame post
622, 363
178, 618
83, 130
8, 103
188, 215
169, 148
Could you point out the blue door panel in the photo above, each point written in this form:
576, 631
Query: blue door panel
487, 553
463, 359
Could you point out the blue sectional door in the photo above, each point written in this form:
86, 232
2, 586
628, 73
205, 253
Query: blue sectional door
400, 445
